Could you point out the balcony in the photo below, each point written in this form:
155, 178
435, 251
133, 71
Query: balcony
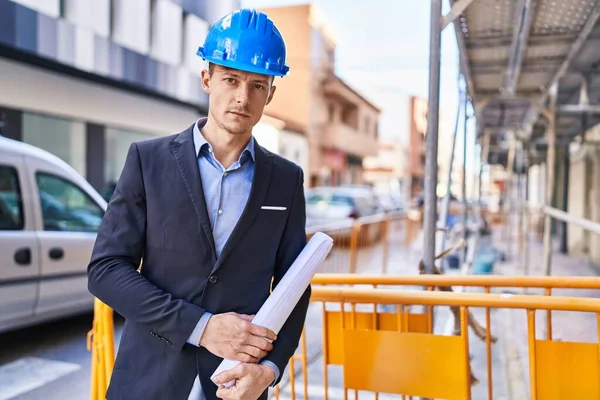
349, 140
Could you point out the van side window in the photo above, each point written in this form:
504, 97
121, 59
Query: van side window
66, 207
11, 204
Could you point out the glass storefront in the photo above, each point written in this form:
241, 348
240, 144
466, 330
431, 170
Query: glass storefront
64, 138
117, 146
100, 160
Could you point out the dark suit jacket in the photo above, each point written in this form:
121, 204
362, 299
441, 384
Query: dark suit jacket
158, 212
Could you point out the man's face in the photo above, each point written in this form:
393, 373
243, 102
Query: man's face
237, 98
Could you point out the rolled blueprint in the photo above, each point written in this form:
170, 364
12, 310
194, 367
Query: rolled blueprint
281, 302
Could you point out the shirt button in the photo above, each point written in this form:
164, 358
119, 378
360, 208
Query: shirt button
220, 212
213, 279
225, 175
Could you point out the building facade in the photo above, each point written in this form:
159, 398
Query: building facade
386, 172
84, 78
417, 129
340, 124
283, 138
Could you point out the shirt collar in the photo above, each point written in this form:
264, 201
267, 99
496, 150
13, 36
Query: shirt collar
200, 140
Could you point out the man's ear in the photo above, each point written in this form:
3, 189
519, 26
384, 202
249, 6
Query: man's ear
271, 93
205, 81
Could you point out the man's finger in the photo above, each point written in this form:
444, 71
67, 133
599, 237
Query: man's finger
225, 393
246, 358
254, 352
257, 330
245, 317
260, 343
229, 375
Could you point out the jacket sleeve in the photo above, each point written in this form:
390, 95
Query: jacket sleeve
112, 272
292, 243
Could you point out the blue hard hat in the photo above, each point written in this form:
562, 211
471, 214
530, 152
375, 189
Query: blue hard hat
246, 40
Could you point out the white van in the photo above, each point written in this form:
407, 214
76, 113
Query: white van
49, 216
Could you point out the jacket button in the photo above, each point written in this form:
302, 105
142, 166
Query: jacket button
213, 279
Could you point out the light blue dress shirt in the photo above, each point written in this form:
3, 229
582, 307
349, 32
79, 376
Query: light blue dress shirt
226, 192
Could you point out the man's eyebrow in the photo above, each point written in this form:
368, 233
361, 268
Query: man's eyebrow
260, 80
231, 73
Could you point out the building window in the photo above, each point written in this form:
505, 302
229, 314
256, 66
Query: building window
93, 15
195, 30
65, 139
367, 125
167, 25
11, 204
131, 24
118, 142
331, 112
350, 116
48, 7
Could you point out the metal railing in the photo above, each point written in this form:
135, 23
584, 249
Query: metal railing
421, 322
550, 212
396, 357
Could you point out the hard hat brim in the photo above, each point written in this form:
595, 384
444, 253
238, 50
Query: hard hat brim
244, 66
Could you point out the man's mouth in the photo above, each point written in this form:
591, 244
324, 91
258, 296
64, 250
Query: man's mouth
240, 113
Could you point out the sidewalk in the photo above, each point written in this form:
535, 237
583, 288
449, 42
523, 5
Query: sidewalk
509, 357
566, 326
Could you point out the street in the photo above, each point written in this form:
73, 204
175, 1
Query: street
48, 361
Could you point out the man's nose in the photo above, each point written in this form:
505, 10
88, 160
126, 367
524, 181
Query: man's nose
243, 94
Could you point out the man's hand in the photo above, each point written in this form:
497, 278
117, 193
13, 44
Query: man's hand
251, 380
232, 336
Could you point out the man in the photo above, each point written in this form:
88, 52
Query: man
217, 220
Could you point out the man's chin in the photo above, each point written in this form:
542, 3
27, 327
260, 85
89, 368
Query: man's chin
238, 129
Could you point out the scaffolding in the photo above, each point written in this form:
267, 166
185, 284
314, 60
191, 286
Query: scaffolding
531, 72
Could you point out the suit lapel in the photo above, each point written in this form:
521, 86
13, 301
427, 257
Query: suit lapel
187, 161
260, 186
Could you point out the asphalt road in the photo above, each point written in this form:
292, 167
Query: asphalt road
48, 361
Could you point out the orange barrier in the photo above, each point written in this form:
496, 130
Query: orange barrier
399, 361
101, 342
414, 322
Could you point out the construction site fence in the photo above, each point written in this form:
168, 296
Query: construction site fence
395, 352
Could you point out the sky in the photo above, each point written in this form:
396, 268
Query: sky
383, 52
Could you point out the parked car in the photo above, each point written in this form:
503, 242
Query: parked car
49, 216
327, 204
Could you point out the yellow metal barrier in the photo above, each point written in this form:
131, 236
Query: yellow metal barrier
401, 361
421, 322
100, 341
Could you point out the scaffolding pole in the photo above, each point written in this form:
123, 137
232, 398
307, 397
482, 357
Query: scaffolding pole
550, 167
431, 164
445, 208
464, 183
508, 203
520, 200
565, 199
526, 221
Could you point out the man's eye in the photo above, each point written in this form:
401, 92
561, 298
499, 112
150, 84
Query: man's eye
258, 86
230, 80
